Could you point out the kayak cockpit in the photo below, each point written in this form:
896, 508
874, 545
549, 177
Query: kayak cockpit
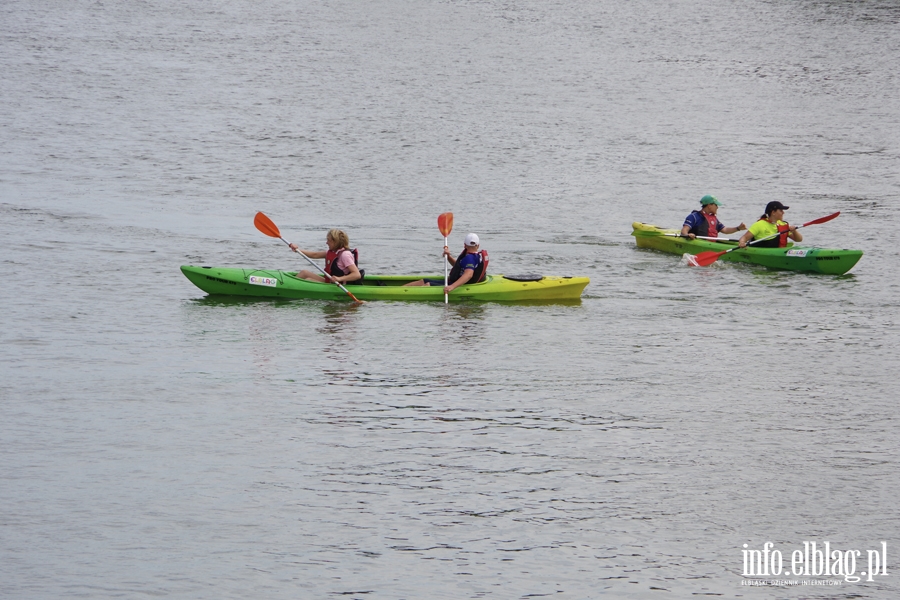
387, 280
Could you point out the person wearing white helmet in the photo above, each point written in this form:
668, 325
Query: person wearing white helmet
469, 267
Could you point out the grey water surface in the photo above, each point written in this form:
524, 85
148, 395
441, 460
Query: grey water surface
156, 442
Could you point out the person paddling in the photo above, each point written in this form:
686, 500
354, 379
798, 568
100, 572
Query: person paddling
469, 267
771, 224
705, 223
340, 260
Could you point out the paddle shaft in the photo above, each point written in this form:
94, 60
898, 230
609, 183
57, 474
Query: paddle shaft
701, 237
824, 219
705, 257
446, 273
445, 226
771, 237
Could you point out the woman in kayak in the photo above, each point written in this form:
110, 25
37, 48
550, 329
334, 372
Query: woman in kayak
468, 267
340, 260
770, 225
705, 222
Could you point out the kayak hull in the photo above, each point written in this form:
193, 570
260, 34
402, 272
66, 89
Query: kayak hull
266, 283
829, 261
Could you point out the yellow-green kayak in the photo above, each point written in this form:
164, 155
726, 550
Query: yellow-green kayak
792, 258
284, 284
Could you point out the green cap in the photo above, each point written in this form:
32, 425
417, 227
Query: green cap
709, 200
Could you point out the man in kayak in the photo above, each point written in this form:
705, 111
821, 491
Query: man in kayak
771, 225
340, 260
704, 223
468, 267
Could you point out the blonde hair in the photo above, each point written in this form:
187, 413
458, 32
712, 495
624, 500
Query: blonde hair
340, 238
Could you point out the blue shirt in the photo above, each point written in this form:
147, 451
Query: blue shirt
694, 219
470, 261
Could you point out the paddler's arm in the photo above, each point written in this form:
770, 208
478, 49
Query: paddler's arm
353, 275
745, 239
795, 235
463, 279
685, 232
727, 230
309, 253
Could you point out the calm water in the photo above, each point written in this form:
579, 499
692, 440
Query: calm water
157, 442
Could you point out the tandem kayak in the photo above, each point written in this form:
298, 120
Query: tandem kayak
284, 284
791, 258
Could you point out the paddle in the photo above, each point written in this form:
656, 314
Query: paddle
704, 259
700, 237
265, 225
445, 224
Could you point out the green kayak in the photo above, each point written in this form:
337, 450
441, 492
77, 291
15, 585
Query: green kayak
791, 258
284, 284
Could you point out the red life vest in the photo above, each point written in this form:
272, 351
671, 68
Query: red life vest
709, 227
712, 225
784, 230
776, 242
331, 266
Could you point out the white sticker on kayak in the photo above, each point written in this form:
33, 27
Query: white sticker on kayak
796, 252
269, 281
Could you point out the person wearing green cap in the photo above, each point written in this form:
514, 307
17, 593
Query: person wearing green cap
704, 223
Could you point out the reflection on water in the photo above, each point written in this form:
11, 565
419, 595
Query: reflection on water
263, 345
463, 323
339, 317
339, 327
216, 300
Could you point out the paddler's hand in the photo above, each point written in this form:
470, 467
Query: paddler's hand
742, 244
691, 236
448, 289
741, 227
447, 252
293, 247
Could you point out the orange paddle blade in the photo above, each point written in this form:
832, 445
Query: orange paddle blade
704, 259
445, 223
265, 224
